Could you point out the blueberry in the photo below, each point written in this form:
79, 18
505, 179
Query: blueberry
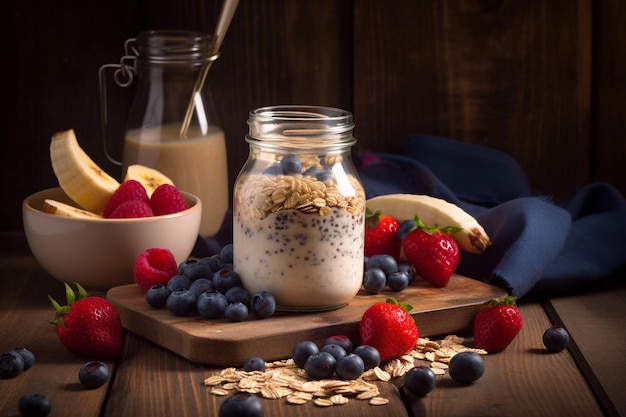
420, 380
385, 262
254, 363
200, 285
337, 351
181, 303
408, 269
242, 404
466, 367
224, 279
263, 304
238, 294
214, 264
301, 352
369, 354
320, 174
556, 339
291, 165
341, 340
275, 169
226, 254
11, 364
184, 264
398, 280
405, 227
34, 405
374, 280
320, 365
236, 312
156, 296
93, 374
350, 366
27, 356
178, 282
197, 270
211, 304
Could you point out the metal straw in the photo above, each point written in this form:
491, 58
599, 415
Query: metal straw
226, 15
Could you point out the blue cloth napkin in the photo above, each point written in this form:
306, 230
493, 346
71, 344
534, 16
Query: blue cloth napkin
536, 244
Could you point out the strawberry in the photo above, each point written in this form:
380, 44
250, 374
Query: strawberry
381, 234
432, 251
497, 324
389, 328
88, 326
128, 191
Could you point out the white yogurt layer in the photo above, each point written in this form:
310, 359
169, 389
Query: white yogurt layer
306, 261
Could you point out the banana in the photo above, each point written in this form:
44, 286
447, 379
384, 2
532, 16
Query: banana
62, 209
150, 178
78, 175
434, 212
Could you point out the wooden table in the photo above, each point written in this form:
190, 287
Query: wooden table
587, 380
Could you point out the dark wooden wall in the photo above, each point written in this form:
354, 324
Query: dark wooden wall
541, 80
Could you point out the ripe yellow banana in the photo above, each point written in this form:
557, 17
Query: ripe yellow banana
78, 175
62, 209
150, 178
434, 212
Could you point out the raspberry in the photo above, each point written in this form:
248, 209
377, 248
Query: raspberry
166, 199
154, 266
127, 191
132, 209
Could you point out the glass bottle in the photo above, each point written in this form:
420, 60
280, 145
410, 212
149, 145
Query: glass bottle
172, 124
299, 207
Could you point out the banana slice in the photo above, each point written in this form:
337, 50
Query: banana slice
150, 178
434, 211
62, 209
78, 175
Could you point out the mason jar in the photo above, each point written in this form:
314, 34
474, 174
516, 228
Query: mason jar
299, 208
172, 125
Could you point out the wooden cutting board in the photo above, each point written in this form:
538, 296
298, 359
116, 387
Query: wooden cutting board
437, 311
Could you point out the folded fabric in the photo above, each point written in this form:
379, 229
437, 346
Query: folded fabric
536, 244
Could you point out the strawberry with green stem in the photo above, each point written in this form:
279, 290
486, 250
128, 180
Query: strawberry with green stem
497, 324
389, 328
381, 234
432, 251
88, 326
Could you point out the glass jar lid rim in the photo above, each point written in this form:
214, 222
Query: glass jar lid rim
301, 125
175, 45
300, 113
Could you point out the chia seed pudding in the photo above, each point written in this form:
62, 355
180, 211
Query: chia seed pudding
308, 253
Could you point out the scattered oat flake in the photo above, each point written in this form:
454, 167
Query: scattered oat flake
284, 380
322, 402
378, 401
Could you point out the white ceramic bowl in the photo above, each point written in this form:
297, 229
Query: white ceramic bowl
100, 253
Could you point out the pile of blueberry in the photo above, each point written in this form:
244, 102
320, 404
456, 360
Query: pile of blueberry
336, 356
382, 271
14, 362
210, 288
